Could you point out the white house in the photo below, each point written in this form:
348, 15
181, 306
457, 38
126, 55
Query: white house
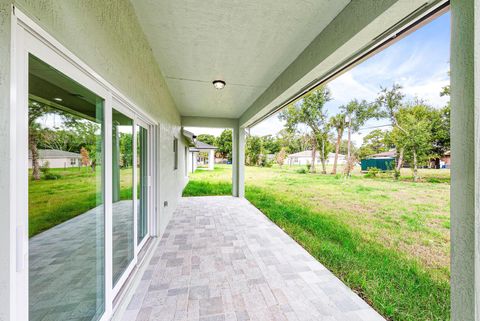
56, 158
196, 156
305, 157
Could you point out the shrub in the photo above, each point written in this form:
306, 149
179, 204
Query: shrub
264, 162
50, 176
45, 169
396, 174
309, 166
372, 172
302, 171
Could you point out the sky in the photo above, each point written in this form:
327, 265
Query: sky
418, 62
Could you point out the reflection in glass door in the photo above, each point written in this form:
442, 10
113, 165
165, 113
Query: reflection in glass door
65, 197
122, 193
142, 183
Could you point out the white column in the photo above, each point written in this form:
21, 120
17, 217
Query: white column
238, 162
465, 196
7, 173
211, 159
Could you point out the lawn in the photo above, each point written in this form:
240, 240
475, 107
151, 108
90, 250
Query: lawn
388, 240
51, 202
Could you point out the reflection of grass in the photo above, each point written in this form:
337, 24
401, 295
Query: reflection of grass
388, 240
52, 202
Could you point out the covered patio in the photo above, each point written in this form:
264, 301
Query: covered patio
222, 259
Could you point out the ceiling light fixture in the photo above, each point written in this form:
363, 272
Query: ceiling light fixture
219, 84
58, 99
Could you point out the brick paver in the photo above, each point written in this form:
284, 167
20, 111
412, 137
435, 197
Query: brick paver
222, 259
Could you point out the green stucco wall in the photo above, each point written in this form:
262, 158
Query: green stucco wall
107, 36
464, 186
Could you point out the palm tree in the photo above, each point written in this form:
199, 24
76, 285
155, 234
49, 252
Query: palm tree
338, 122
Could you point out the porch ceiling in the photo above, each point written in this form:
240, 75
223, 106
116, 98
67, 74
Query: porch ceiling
246, 43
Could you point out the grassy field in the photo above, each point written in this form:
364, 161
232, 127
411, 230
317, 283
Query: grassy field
388, 240
51, 202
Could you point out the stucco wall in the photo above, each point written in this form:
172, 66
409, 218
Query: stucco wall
106, 35
464, 194
5, 255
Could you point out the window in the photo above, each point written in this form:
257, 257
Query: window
175, 153
67, 261
122, 194
142, 183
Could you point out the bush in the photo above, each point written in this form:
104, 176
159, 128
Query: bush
302, 171
309, 167
45, 169
50, 176
372, 172
264, 162
396, 174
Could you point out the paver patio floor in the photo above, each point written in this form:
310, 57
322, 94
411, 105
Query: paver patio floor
222, 259
66, 265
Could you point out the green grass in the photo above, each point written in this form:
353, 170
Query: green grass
387, 240
51, 202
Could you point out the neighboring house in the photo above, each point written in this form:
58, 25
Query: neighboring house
390, 154
305, 157
197, 156
383, 161
56, 158
440, 162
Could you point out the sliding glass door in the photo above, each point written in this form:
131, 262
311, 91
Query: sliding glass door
66, 197
84, 166
122, 193
142, 182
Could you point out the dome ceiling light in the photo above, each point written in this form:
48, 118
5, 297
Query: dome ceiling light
219, 84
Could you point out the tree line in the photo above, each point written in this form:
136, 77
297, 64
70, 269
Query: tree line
416, 130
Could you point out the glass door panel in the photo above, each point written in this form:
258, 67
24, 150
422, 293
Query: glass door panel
65, 197
122, 193
142, 183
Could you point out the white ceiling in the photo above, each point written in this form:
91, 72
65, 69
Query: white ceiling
247, 43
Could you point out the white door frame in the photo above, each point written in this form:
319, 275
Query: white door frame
28, 37
120, 106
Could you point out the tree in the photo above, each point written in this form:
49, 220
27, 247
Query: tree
373, 143
207, 139
35, 133
281, 156
253, 150
85, 156
126, 149
338, 122
357, 113
271, 144
414, 133
310, 111
224, 144
390, 101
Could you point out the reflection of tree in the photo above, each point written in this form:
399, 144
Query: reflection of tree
126, 150
72, 135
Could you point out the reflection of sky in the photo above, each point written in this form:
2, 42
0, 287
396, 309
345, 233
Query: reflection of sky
419, 63
125, 129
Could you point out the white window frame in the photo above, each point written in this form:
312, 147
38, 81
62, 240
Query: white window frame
28, 37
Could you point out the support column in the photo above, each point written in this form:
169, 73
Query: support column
7, 172
211, 159
238, 161
465, 134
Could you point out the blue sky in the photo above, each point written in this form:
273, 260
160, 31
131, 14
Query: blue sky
418, 62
